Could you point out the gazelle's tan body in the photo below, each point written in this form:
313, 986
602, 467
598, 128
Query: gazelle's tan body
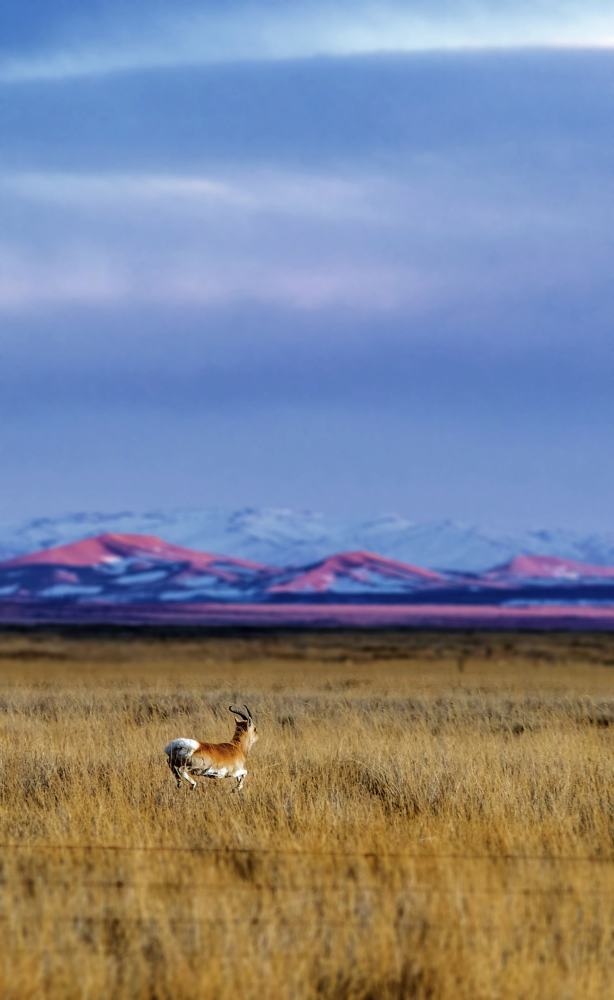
187, 757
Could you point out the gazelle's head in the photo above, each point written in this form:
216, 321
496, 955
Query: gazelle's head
246, 727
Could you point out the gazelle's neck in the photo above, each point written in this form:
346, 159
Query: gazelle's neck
242, 737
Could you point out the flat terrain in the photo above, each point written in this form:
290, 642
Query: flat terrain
578, 615
426, 815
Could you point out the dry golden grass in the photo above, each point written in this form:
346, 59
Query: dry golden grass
425, 816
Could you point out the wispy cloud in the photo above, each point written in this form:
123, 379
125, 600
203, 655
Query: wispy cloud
282, 238
431, 236
193, 34
89, 278
29, 280
252, 191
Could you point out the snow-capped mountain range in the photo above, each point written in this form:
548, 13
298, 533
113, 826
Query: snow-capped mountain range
132, 569
281, 537
120, 570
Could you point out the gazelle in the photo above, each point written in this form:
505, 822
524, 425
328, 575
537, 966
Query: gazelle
214, 760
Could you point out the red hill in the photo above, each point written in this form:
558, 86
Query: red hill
354, 570
110, 548
531, 567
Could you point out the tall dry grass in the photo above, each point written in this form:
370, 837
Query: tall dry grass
425, 816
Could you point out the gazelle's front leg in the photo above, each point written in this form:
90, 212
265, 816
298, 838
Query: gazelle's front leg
240, 776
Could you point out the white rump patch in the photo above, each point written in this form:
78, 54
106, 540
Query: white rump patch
182, 747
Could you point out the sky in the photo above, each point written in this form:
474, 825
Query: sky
351, 257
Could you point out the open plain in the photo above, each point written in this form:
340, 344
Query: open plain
425, 815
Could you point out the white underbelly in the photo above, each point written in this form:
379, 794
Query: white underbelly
207, 770
217, 772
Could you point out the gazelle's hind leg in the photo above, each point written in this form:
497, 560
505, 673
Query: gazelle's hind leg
179, 767
183, 772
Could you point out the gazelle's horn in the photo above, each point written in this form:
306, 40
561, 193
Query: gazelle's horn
248, 712
237, 711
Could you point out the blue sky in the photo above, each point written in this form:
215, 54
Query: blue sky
355, 257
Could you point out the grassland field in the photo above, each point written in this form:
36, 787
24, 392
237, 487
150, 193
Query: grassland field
426, 815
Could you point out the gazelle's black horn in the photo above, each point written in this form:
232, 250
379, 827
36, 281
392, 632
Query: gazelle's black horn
248, 712
237, 711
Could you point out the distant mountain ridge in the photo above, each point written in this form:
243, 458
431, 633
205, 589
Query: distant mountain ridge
283, 537
120, 570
